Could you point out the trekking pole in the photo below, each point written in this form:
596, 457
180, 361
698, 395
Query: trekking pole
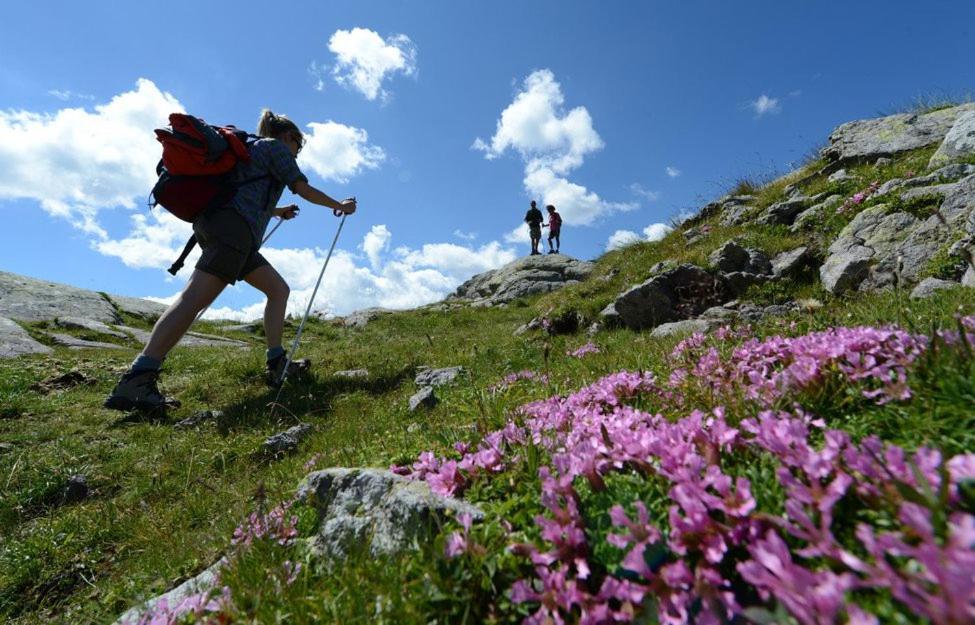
301, 326
276, 226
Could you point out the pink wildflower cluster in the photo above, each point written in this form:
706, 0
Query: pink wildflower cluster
859, 197
512, 378
202, 607
717, 549
274, 525
767, 370
588, 348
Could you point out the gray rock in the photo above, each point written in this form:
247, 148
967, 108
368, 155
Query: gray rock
202, 583
692, 235
352, 374
190, 339
610, 317
816, 213
958, 143
15, 341
80, 323
662, 266
526, 276
362, 318
778, 310
374, 511
840, 175
424, 397
791, 263
969, 278
198, 419
948, 173
74, 342
934, 190
147, 309
729, 257
678, 294
735, 209
28, 299
76, 489
738, 281
845, 270
251, 328
758, 263
875, 138
287, 441
719, 313
437, 377
688, 326
882, 162
784, 212
929, 286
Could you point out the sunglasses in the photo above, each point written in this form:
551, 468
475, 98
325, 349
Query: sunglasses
299, 141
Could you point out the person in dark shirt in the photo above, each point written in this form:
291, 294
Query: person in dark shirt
554, 226
534, 220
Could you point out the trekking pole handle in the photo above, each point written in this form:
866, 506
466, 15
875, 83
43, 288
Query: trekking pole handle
338, 212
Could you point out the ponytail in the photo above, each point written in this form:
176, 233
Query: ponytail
273, 126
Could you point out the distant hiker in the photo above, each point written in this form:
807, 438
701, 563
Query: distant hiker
534, 220
230, 237
554, 226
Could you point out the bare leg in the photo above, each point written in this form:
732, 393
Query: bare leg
270, 282
199, 293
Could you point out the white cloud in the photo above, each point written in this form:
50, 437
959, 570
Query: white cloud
364, 59
316, 72
621, 238
76, 162
552, 143
657, 231
66, 94
765, 105
647, 194
518, 235
467, 236
337, 152
672, 171
154, 241
375, 243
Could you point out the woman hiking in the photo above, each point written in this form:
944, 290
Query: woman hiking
230, 237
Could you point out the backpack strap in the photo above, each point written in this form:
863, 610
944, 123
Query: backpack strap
176, 266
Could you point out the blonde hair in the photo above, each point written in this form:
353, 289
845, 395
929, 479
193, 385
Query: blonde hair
273, 126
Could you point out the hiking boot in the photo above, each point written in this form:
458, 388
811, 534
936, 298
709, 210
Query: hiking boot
138, 391
275, 368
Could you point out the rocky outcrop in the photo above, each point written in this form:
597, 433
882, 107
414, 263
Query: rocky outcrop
674, 295
958, 143
28, 299
15, 341
531, 275
871, 139
878, 249
202, 583
374, 510
362, 318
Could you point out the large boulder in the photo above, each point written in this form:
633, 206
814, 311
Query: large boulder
374, 510
958, 143
29, 299
526, 276
870, 139
677, 294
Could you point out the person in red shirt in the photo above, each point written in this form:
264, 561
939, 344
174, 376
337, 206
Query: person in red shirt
554, 226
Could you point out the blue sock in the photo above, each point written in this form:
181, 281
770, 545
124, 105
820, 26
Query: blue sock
145, 363
275, 352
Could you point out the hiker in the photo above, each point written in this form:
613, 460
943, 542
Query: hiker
230, 237
554, 226
534, 220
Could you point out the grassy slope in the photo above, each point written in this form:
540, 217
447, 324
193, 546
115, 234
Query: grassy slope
165, 501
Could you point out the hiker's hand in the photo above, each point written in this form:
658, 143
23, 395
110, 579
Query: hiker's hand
287, 212
347, 207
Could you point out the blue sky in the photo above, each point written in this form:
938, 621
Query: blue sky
442, 118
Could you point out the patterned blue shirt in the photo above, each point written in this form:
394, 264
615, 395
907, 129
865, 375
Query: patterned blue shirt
256, 200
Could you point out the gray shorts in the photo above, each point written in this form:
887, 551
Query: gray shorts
228, 246
535, 231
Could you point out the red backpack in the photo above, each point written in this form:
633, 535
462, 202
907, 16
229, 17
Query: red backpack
198, 169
